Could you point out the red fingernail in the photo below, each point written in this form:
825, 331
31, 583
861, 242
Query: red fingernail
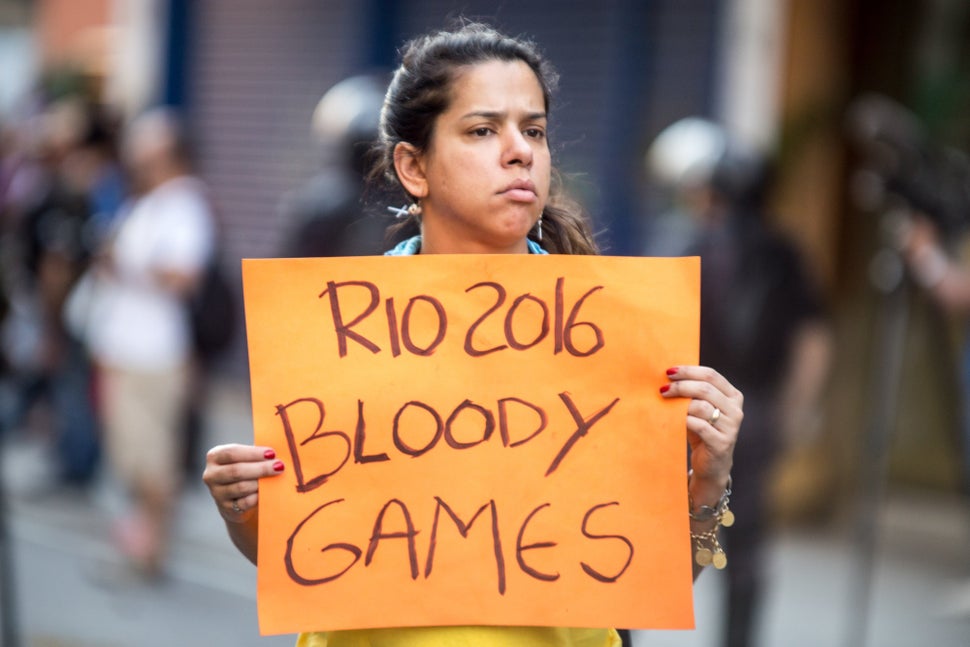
671, 371
665, 388
269, 454
278, 466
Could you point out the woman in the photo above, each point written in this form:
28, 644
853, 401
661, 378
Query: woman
463, 133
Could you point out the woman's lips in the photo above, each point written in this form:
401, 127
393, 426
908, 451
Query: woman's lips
521, 191
521, 195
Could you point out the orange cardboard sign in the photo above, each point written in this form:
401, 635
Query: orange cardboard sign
472, 440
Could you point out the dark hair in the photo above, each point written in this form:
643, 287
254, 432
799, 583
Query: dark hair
420, 91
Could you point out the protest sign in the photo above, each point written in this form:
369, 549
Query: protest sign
472, 439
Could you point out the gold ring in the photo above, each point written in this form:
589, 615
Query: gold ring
714, 417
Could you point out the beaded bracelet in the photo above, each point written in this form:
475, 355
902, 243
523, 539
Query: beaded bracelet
708, 548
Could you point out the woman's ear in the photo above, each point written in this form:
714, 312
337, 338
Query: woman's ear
409, 165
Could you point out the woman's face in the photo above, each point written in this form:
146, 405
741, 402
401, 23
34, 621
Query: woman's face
486, 169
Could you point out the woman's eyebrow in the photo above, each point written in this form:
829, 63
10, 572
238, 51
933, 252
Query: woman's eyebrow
498, 115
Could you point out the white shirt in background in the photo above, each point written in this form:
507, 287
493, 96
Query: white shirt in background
142, 325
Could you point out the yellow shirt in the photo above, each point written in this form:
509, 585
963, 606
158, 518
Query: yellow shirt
464, 637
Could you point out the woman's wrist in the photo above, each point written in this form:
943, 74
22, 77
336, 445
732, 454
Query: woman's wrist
706, 491
706, 518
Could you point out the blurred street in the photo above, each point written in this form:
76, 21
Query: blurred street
71, 590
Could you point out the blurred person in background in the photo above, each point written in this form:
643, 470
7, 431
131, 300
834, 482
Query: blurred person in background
762, 323
7, 165
142, 338
921, 189
323, 217
945, 276
95, 169
54, 192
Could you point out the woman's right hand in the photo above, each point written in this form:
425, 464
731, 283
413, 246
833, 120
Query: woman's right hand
232, 474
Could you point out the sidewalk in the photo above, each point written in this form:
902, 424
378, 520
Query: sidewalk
68, 592
70, 587
921, 562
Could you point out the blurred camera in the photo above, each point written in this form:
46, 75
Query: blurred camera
900, 164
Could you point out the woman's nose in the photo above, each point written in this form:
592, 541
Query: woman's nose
517, 150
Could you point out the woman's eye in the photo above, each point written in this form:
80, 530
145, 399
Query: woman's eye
481, 132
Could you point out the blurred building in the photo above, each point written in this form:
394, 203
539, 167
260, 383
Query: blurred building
249, 73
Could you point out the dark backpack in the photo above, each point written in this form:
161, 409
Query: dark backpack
212, 312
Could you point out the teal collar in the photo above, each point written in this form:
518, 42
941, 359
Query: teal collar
412, 247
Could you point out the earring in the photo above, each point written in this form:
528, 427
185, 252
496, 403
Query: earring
413, 209
539, 228
399, 212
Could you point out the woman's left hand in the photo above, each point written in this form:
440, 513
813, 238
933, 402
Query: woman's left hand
713, 419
